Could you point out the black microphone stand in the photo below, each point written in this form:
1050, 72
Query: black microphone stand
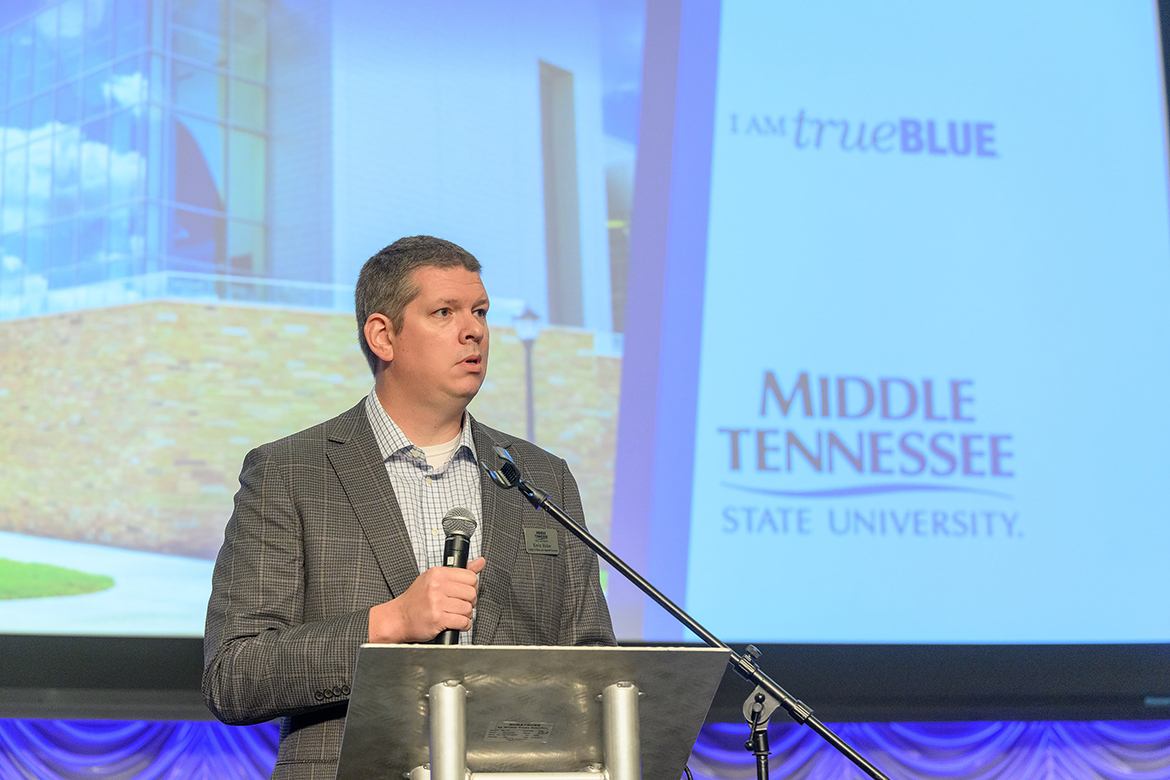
747, 665
758, 708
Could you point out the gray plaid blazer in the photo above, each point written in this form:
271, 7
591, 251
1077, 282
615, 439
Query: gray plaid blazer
317, 538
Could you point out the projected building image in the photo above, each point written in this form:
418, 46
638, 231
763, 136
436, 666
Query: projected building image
134, 154
188, 190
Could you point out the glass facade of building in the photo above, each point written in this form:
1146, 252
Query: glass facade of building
134, 154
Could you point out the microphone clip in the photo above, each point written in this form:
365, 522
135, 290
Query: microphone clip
508, 476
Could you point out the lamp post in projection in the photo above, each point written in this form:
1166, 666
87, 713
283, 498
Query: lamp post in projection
527, 330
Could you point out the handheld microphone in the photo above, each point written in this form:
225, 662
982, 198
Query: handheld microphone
459, 524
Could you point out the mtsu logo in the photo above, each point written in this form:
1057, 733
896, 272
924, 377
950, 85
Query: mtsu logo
851, 425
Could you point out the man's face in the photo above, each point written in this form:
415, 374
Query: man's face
442, 349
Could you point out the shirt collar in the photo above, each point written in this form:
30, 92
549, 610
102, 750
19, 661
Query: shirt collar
391, 440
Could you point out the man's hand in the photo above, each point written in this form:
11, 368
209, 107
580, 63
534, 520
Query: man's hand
440, 598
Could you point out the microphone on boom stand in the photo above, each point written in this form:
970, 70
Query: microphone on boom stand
767, 696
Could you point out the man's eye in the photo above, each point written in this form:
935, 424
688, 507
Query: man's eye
481, 312
443, 312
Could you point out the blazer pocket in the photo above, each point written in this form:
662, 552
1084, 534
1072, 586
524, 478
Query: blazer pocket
538, 583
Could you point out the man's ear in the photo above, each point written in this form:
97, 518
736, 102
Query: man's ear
380, 336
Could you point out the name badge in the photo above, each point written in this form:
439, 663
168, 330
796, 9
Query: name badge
541, 541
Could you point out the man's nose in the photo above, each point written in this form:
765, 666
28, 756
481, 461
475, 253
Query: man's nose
474, 329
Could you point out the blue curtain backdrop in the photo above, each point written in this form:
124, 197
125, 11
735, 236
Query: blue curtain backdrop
1001, 750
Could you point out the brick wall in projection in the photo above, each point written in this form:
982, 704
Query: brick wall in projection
127, 426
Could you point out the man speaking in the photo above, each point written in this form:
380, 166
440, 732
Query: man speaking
337, 539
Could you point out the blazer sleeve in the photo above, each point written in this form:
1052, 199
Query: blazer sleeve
585, 620
261, 660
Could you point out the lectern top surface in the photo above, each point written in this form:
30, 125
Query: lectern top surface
529, 708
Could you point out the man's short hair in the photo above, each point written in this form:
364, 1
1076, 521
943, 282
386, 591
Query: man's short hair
386, 283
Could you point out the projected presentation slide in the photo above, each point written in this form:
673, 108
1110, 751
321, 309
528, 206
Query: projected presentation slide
934, 328
922, 401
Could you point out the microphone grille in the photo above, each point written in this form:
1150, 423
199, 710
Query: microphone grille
459, 520
510, 472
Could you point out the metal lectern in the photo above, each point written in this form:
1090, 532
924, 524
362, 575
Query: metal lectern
434, 712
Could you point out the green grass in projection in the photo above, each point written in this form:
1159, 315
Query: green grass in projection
20, 580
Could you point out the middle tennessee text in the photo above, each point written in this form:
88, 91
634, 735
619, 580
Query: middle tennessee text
845, 447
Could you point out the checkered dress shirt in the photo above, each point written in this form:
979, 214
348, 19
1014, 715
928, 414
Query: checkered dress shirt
425, 494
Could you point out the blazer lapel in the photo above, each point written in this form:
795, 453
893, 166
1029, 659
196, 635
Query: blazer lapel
353, 452
502, 528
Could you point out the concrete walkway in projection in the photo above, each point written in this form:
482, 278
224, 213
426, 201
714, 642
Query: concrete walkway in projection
153, 595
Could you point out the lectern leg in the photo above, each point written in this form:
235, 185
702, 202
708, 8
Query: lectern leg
620, 738
448, 709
